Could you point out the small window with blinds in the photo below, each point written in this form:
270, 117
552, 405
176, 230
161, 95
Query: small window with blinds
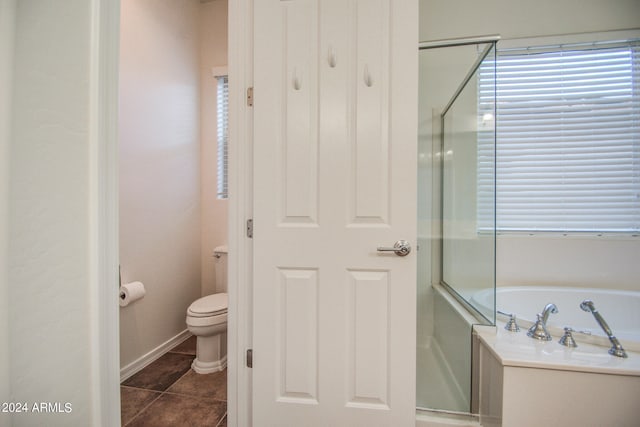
223, 136
567, 139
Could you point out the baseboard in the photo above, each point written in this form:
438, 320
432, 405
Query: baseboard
153, 355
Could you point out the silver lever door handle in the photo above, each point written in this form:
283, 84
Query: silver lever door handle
401, 248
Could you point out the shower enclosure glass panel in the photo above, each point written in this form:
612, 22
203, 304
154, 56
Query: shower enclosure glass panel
468, 188
456, 237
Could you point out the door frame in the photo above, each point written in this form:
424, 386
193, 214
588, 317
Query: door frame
103, 233
104, 310
240, 289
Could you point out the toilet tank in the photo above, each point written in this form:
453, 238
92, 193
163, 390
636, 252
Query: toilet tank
220, 255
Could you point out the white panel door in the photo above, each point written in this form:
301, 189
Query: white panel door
335, 106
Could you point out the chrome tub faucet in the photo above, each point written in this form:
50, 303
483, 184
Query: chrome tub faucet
539, 329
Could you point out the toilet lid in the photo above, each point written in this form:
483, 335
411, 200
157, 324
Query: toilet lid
209, 305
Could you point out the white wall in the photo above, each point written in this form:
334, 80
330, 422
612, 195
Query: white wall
444, 19
213, 53
596, 262
159, 169
49, 211
7, 16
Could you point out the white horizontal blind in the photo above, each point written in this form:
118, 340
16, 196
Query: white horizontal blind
486, 137
223, 136
568, 139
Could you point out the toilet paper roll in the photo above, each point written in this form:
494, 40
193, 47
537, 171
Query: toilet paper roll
131, 292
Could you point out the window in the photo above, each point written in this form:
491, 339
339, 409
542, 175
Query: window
568, 138
223, 136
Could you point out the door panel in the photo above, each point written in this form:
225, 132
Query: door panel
368, 322
335, 104
370, 182
298, 337
299, 115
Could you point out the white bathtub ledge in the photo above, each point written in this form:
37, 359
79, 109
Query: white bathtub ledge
524, 383
516, 349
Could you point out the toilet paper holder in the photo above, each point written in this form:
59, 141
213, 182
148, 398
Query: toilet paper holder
131, 292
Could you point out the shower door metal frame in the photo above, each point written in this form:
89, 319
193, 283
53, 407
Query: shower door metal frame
465, 41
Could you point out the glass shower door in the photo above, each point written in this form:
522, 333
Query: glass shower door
456, 219
468, 189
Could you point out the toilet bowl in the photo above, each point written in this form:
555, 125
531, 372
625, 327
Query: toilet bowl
207, 320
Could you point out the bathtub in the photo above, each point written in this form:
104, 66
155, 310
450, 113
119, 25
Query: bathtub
620, 309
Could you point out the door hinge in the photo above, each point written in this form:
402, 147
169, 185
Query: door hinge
250, 228
250, 358
250, 97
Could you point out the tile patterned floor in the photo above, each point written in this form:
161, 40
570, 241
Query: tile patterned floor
168, 393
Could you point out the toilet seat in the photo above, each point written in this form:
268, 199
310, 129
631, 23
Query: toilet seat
211, 305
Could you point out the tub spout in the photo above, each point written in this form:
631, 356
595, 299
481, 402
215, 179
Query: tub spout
549, 308
539, 329
616, 349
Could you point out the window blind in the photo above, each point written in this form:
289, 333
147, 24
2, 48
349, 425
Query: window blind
223, 136
568, 138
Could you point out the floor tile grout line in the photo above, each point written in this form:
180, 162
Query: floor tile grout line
184, 394
143, 409
194, 395
187, 372
158, 397
188, 351
161, 393
140, 388
222, 419
181, 377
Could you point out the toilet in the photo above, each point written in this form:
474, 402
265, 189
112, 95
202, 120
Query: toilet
207, 320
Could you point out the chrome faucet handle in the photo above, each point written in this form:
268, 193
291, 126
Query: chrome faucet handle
538, 330
567, 339
512, 325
